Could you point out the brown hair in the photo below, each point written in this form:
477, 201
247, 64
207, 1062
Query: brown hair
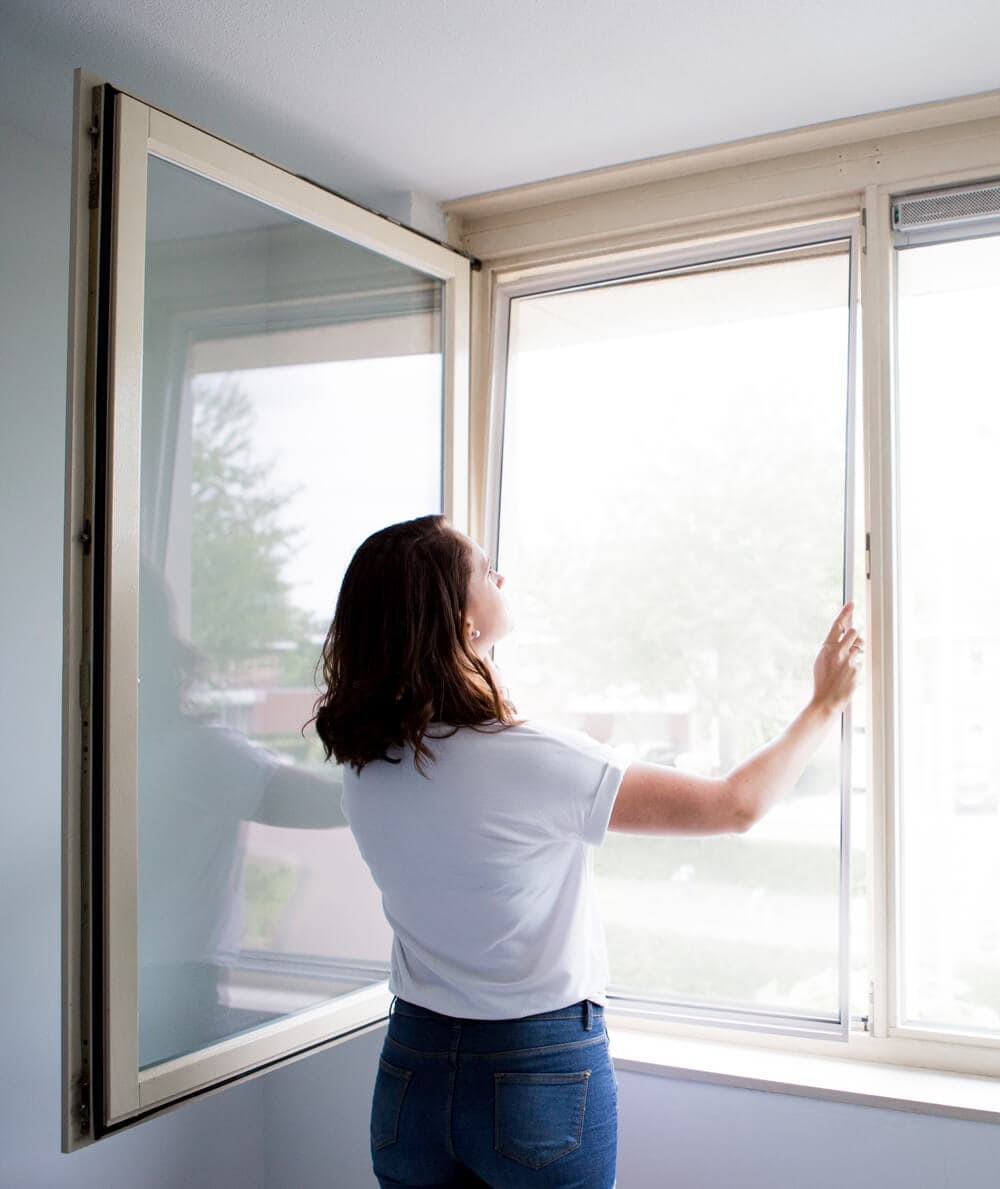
396, 657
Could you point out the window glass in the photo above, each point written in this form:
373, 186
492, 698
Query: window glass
672, 533
949, 635
291, 404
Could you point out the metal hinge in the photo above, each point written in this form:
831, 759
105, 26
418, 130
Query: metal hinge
94, 132
870, 1018
864, 231
83, 1105
868, 556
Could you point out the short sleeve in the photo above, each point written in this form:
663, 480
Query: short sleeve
596, 824
583, 777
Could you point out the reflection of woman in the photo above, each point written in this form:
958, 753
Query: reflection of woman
199, 784
478, 828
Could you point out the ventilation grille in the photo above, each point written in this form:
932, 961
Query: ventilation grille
945, 208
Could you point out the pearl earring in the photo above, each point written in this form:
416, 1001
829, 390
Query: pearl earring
475, 633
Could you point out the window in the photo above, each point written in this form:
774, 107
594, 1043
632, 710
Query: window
710, 398
276, 374
669, 453
673, 487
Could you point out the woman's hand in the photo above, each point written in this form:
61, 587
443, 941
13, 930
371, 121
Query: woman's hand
838, 664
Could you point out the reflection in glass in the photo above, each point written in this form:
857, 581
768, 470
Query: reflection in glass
671, 530
291, 404
949, 635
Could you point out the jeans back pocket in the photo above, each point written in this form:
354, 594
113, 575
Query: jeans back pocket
539, 1116
390, 1090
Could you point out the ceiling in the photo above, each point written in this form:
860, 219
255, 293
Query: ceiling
451, 97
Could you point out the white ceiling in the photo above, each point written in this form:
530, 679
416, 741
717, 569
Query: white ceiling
452, 97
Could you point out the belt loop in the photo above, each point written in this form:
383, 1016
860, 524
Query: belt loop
588, 1018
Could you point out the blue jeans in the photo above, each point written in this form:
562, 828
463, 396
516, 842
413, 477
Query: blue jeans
503, 1103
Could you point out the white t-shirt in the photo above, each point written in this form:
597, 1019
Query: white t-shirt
486, 868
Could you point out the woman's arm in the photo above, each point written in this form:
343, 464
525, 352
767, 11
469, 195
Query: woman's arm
658, 800
301, 799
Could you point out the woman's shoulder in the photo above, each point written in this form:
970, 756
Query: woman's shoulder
531, 740
535, 735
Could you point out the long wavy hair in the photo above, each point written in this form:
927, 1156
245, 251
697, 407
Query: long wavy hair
397, 658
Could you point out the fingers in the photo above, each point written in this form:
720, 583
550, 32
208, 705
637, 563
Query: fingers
852, 653
840, 624
851, 639
838, 665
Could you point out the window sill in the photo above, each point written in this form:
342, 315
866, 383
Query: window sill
860, 1082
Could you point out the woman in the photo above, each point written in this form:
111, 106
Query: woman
479, 828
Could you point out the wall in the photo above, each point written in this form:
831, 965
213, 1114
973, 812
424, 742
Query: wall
317, 1118
684, 1135
303, 1126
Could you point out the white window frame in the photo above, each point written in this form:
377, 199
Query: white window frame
118, 174
611, 217
677, 260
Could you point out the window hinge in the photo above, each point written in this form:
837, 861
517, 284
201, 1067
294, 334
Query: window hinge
84, 686
94, 132
83, 1105
864, 231
868, 556
870, 1018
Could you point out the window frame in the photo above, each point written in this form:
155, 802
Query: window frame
777, 182
705, 256
115, 134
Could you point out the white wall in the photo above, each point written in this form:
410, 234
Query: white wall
316, 1118
684, 1135
303, 1126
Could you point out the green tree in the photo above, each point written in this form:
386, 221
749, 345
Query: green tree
241, 604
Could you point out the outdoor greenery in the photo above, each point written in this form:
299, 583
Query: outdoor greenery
734, 860
242, 610
268, 889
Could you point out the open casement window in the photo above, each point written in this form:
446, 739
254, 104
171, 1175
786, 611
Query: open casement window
273, 374
672, 487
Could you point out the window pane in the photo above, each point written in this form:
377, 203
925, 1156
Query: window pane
671, 530
292, 403
949, 635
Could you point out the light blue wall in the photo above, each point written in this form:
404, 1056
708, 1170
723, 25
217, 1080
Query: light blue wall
317, 1118
303, 1126
683, 1135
